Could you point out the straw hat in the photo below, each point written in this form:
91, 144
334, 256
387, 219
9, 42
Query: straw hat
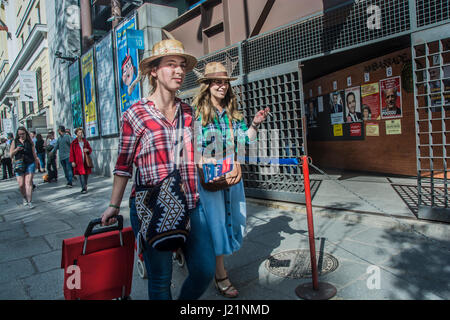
169, 47
215, 70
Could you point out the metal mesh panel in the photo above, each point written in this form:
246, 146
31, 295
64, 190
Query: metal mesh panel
336, 29
432, 94
280, 136
432, 11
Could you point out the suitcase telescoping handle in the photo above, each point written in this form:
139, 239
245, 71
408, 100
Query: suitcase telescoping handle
90, 230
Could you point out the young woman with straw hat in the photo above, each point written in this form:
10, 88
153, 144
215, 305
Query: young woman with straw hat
225, 212
147, 141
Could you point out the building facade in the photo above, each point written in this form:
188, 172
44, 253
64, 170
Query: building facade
27, 50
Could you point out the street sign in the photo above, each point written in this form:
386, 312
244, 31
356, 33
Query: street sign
135, 39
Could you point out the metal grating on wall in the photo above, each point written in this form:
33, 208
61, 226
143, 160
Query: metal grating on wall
336, 29
280, 136
432, 103
432, 11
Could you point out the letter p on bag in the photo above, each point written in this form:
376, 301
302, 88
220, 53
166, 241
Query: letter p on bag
74, 280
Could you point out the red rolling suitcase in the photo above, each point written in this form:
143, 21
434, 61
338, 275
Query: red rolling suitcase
99, 265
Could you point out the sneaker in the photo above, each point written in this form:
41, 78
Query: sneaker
30, 205
83, 191
24, 202
70, 185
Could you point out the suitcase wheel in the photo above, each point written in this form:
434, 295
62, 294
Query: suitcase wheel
141, 269
178, 256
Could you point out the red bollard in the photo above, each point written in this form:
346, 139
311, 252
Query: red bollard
318, 290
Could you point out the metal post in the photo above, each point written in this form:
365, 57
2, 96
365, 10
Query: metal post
318, 290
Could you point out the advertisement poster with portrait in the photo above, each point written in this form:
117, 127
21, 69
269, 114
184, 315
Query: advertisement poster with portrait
106, 86
89, 98
370, 98
75, 95
311, 111
127, 66
336, 105
391, 98
353, 105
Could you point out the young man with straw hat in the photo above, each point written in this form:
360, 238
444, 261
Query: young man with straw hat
147, 141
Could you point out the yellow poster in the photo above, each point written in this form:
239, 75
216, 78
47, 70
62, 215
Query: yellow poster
372, 129
393, 127
89, 97
337, 130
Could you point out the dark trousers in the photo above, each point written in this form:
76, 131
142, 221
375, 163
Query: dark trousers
7, 167
52, 169
83, 181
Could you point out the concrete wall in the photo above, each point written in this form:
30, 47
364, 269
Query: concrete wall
58, 35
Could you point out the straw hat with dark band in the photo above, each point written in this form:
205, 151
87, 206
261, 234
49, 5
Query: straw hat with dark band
215, 70
169, 47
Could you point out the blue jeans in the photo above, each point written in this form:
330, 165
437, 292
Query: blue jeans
199, 255
41, 157
67, 167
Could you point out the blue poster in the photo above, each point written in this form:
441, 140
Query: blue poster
127, 66
75, 94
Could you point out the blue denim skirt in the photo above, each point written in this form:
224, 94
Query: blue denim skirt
226, 215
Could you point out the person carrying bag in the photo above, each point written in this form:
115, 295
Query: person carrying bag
222, 197
147, 138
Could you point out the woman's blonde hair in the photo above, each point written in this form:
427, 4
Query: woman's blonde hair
145, 71
205, 109
78, 129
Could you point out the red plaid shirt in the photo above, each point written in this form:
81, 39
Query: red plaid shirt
147, 139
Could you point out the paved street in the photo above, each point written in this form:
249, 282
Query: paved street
267, 267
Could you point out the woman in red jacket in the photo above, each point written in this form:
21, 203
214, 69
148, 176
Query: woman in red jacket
78, 150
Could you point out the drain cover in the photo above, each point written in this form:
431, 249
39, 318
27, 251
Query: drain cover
296, 264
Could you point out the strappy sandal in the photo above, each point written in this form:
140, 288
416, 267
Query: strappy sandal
227, 291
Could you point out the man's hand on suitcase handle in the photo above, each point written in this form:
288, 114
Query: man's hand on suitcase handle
108, 216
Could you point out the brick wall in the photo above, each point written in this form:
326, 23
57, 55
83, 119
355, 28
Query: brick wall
394, 154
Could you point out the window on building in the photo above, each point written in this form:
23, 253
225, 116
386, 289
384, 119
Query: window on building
38, 12
24, 109
39, 88
31, 107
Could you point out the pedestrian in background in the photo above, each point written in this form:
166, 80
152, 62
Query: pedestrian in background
52, 169
40, 151
5, 159
225, 211
78, 150
63, 145
23, 151
147, 138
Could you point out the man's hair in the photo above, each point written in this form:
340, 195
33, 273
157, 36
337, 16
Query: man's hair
62, 128
351, 93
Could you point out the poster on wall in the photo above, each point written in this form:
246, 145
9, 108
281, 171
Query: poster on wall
89, 99
311, 112
127, 66
337, 107
106, 86
391, 98
370, 97
75, 95
27, 85
372, 129
353, 105
393, 127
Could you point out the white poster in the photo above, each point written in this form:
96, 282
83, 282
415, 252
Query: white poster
27, 82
